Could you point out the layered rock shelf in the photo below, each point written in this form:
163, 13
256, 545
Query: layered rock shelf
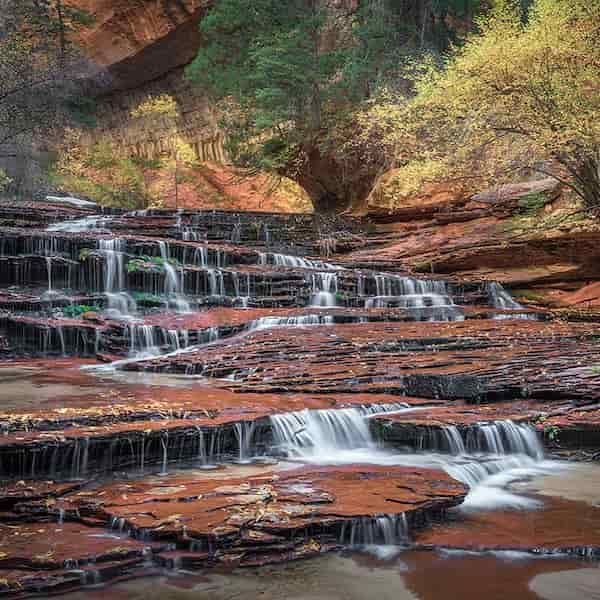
191, 389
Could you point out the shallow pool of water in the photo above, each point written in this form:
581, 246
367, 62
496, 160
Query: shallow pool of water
409, 575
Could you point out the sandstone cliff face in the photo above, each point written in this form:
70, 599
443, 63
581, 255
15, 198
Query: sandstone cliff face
141, 47
129, 34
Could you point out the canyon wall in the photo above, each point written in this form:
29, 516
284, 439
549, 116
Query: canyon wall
141, 48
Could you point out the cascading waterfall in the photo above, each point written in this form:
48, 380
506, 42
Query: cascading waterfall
425, 299
324, 287
119, 300
243, 295
370, 531
216, 282
49, 269
173, 281
142, 342
296, 262
79, 225
244, 431
326, 432
299, 321
500, 298
485, 458
499, 437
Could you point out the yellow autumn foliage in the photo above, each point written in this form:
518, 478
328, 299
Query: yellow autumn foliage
520, 97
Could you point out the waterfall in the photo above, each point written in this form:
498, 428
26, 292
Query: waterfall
499, 438
500, 298
299, 321
244, 431
504, 437
325, 432
369, 531
242, 295
142, 342
216, 283
173, 281
49, 270
119, 300
296, 262
79, 225
236, 233
485, 459
324, 287
200, 257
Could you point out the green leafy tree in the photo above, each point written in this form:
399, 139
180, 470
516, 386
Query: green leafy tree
519, 98
284, 75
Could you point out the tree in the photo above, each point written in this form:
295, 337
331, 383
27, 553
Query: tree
286, 74
180, 153
40, 73
520, 97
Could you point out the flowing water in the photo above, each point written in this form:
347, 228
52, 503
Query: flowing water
489, 457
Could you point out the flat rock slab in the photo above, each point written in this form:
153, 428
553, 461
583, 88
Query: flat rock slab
248, 511
52, 545
251, 517
14, 492
558, 526
472, 360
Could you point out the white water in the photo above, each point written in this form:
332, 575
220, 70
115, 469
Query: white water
297, 262
119, 301
490, 458
315, 433
173, 282
325, 287
429, 299
79, 225
500, 298
299, 321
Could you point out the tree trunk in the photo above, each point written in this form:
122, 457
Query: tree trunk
589, 176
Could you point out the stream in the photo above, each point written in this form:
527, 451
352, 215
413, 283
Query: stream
204, 399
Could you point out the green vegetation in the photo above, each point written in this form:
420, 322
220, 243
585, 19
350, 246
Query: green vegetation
76, 310
516, 99
286, 77
147, 299
180, 154
148, 264
550, 431
84, 253
99, 173
40, 85
533, 202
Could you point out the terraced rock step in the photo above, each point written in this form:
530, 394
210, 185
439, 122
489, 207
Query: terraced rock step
459, 427
471, 360
234, 396
76, 443
202, 521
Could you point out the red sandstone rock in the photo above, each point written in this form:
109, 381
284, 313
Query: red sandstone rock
561, 525
178, 508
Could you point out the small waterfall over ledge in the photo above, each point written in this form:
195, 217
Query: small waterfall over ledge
485, 456
313, 433
500, 298
324, 289
499, 437
173, 281
120, 302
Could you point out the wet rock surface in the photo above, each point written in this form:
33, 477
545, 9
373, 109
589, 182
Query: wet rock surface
190, 389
